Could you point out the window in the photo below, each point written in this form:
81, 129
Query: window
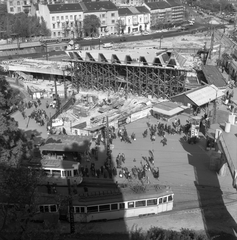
103, 15
56, 173
62, 18
53, 25
140, 203
164, 199
44, 208
47, 172
71, 24
160, 200
59, 34
112, 14
53, 18
66, 17
19, 9
113, 21
103, 22
92, 209
79, 16
114, 206
79, 209
58, 25
11, 9
63, 24
76, 209
121, 205
11, 3
130, 204
151, 202
53, 208
170, 198
18, 3
103, 208
54, 34
57, 17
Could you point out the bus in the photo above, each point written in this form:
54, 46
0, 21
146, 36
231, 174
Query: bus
123, 203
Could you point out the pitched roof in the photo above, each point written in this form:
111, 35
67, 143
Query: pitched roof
174, 3
159, 5
134, 10
99, 6
124, 11
213, 76
70, 7
143, 9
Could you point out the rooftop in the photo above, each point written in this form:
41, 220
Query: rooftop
98, 6
70, 7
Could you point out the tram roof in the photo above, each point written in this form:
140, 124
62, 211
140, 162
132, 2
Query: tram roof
121, 195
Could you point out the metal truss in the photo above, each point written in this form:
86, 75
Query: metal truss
140, 80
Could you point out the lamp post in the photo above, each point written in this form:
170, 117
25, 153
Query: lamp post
64, 82
73, 38
45, 45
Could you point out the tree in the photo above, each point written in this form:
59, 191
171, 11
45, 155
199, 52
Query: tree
120, 26
91, 24
14, 146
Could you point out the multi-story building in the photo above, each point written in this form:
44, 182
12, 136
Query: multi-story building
62, 19
127, 3
164, 12
67, 19
18, 6
106, 11
133, 19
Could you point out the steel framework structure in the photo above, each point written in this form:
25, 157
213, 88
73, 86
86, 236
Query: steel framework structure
136, 79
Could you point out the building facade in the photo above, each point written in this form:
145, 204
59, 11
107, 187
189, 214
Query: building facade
63, 20
106, 11
133, 19
66, 20
18, 6
165, 12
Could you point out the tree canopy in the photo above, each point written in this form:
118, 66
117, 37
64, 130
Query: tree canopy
91, 24
14, 146
21, 24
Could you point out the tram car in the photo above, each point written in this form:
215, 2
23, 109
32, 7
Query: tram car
122, 203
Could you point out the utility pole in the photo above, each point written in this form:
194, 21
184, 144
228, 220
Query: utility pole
108, 142
65, 86
71, 209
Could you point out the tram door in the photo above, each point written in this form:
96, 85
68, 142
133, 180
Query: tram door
163, 204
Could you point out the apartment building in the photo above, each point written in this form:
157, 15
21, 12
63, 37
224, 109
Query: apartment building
18, 6
63, 20
127, 3
106, 11
133, 19
164, 12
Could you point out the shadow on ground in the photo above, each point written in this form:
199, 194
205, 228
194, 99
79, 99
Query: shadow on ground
216, 217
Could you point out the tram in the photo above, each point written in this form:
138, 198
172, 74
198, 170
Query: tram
122, 203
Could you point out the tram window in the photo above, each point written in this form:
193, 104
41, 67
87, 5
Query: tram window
53, 208
164, 199
140, 203
121, 205
170, 198
56, 173
82, 209
76, 209
47, 172
41, 208
114, 206
104, 208
63, 173
160, 200
92, 209
46, 208
130, 204
151, 202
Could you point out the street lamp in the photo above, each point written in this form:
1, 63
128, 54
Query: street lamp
73, 38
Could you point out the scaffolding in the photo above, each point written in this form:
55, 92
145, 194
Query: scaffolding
142, 80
